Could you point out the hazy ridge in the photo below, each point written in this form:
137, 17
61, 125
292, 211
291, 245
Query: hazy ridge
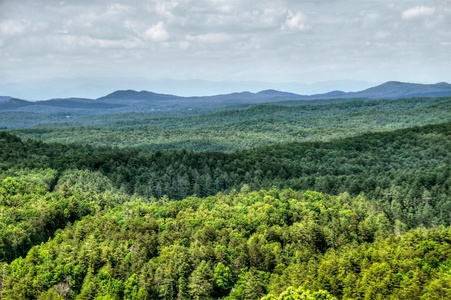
144, 101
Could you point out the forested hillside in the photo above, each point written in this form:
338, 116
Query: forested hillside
404, 171
240, 246
364, 217
232, 128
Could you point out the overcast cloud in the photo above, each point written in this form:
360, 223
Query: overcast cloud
222, 40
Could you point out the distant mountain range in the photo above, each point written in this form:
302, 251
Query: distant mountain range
145, 101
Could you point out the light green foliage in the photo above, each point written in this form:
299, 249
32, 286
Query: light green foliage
215, 248
200, 284
35, 203
299, 294
222, 279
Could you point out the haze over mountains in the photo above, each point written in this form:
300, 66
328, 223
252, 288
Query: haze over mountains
144, 101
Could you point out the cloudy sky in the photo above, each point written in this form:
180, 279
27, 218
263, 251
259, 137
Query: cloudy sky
50, 47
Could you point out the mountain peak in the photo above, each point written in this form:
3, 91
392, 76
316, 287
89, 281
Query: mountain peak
134, 95
276, 93
397, 89
443, 85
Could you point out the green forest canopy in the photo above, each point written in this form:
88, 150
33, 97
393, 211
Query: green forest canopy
88, 222
235, 128
238, 246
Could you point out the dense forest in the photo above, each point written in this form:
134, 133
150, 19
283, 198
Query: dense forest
406, 170
342, 212
232, 128
239, 246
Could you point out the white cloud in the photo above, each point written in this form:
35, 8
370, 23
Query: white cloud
12, 27
157, 33
255, 39
77, 43
209, 38
417, 12
116, 9
369, 18
271, 16
296, 21
380, 35
163, 8
132, 25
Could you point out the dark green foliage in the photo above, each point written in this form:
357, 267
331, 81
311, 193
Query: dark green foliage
406, 171
234, 128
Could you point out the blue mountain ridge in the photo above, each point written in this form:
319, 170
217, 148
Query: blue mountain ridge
142, 101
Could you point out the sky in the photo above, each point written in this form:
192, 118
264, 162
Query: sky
87, 48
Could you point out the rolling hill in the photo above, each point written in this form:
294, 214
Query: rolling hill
144, 101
